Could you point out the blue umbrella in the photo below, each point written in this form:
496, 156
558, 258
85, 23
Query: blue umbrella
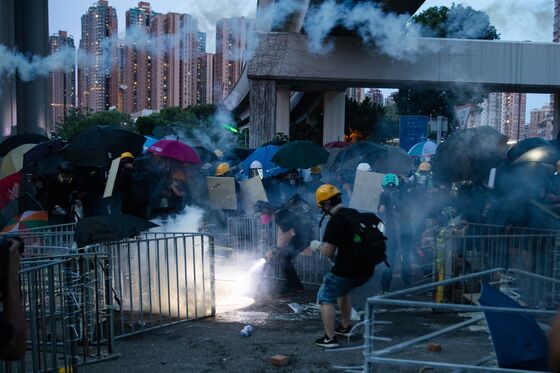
518, 340
149, 142
423, 149
264, 155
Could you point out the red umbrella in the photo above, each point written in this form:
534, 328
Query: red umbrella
175, 149
337, 145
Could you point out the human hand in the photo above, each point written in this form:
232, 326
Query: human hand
315, 245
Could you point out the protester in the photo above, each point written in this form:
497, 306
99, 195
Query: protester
61, 193
397, 228
12, 317
352, 268
122, 196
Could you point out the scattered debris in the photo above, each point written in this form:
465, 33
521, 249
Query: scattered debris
434, 347
279, 360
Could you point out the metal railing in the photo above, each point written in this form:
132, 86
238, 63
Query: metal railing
161, 279
475, 248
68, 313
249, 238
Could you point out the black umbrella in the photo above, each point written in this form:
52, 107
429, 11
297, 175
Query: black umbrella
39, 152
108, 228
546, 154
98, 145
275, 143
469, 154
524, 146
47, 166
300, 154
13, 142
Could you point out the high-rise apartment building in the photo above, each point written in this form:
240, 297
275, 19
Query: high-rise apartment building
98, 79
506, 113
189, 52
62, 83
556, 27
205, 74
201, 42
231, 44
356, 94
136, 74
375, 95
540, 124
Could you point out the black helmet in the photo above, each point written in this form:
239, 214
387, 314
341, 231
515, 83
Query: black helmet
66, 167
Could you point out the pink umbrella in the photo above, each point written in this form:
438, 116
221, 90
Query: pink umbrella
337, 145
174, 149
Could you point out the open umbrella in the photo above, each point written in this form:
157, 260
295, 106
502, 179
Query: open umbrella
175, 149
48, 165
546, 154
39, 152
518, 340
469, 154
424, 149
13, 161
29, 219
524, 146
264, 155
99, 145
300, 154
149, 142
107, 228
14, 141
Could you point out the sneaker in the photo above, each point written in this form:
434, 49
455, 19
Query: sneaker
327, 342
345, 332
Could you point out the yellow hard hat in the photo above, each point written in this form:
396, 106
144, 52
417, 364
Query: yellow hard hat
127, 155
425, 166
324, 193
222, 168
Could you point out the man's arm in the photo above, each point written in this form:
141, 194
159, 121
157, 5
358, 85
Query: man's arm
327, 249
13, 313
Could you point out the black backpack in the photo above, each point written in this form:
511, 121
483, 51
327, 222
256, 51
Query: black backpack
368, 241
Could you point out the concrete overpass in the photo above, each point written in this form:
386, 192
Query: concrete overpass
283, 63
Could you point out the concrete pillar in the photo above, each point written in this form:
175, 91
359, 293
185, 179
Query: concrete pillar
556, 111
283, 111
32, 37
333, 116
8, 117
262, 115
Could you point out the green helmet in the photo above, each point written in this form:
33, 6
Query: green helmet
390, 179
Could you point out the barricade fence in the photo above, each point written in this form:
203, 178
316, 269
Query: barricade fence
249, 238
491, 354
475, 248
161, 279
68, 312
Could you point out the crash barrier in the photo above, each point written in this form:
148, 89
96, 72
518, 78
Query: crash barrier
473, 248
161, 279
68, 313
250, 239
523, 344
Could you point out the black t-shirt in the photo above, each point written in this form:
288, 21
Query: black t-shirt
340, 233
6, 331
303, 228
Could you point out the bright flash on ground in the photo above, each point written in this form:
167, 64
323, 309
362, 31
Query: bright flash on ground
235, 286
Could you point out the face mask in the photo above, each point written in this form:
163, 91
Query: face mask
265, 219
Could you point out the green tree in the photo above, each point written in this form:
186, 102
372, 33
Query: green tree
78, 120
460, 22
362, 120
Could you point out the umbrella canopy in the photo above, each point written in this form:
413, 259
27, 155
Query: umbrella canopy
48, 166
524, 146
469, 154
149, 142
13, 161
337, 145
424, 149
13, 142
39, 152
547, 154
175, 149
274, 143
300, 154
106, 228
383, 159
518, 340
99, 145
264, 155
29, 219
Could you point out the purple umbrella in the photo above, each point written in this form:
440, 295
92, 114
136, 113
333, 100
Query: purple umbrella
175, 149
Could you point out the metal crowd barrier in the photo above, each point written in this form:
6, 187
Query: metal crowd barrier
475, 248
381, 350
68, 313
160, 279
250, 239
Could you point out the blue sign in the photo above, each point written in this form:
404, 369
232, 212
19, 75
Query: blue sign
413, 129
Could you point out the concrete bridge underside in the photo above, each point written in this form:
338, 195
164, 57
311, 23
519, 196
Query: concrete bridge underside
282, 63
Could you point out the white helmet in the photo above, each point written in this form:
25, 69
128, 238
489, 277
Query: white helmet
363, 167
256, 164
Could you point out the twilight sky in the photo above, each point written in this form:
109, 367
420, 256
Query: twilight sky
526, 20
